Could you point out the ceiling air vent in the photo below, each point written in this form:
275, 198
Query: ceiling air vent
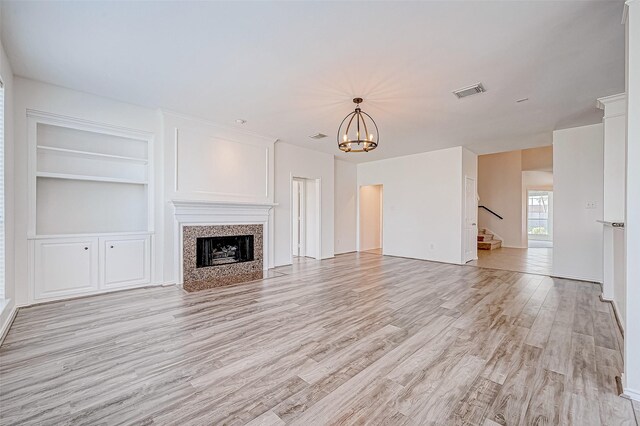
318, 136
470, 90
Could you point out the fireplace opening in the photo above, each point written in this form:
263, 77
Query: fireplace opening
217, 251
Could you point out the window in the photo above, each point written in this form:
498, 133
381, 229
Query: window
538, 207
1, 190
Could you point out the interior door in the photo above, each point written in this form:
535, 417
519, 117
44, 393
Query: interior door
298, 213
470, 220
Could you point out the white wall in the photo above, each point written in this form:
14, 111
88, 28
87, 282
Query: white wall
500, 189
40, 96
346, 196
7, 307
632, 227
578, 182
207, 161
370, 217
422, 206
293, 161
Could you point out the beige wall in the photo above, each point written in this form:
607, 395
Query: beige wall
370, 217
500, 189
538, 158
537, 180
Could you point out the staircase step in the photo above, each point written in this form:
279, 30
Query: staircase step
489, 245
485, 237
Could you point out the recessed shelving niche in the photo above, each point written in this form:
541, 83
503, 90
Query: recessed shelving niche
88, 178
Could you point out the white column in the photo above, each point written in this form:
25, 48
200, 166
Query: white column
632, 332
615, 128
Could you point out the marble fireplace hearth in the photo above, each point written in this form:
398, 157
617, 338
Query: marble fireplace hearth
199, 278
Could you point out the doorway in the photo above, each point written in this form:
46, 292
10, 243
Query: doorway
540, 218
371, 225
305, 218
470, 219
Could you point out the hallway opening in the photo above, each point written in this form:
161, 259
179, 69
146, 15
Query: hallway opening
370, 228
305, 218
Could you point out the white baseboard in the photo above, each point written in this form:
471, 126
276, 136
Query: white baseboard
616, 312
8, 319
632, 394
562, 275
91, 294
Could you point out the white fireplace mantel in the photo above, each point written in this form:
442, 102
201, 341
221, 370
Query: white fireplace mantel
201, 212
189, 208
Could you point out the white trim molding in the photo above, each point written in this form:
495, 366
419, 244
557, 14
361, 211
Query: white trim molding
614, 105
632, 394
254, 151
8, 312
199, 212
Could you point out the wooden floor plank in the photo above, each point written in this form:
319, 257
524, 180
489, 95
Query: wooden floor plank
360, 338
545, 405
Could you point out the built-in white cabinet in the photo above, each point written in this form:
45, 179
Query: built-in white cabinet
65, 267
74, 266
125, 261
90, 206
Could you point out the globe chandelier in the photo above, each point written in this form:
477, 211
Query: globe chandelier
360, 133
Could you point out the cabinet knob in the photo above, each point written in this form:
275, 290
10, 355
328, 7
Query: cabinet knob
86, 248
110, 246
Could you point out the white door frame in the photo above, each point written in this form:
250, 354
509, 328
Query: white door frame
473, 208
318, 206
300, 221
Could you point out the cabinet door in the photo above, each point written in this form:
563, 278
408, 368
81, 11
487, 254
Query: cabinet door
65, 267
125, 261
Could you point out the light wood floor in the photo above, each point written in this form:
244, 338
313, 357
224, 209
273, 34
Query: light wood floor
537, 260
361, 338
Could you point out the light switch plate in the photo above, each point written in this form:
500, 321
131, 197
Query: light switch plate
591, 205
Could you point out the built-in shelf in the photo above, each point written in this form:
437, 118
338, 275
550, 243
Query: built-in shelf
89, 178
89, 154
90, 207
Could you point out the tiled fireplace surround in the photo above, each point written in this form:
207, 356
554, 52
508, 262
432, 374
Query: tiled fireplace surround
196, 219
216, 276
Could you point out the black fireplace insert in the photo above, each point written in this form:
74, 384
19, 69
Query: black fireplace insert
218, 251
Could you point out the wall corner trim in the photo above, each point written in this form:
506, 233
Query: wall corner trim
9, 322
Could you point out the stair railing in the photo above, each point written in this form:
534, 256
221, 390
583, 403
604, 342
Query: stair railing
491, 211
